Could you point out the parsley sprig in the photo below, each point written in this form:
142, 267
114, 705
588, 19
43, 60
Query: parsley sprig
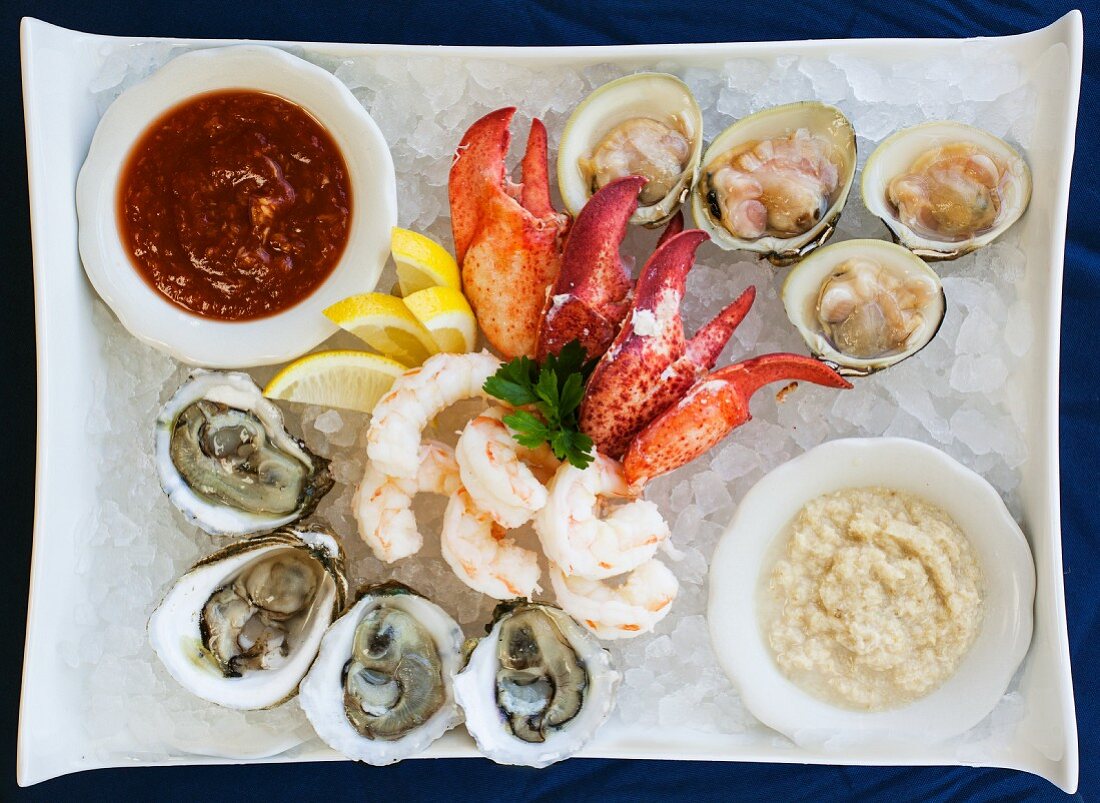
555, 390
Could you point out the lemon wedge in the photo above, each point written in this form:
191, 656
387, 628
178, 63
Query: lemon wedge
422, 263
385, 324
445, 313
352, 380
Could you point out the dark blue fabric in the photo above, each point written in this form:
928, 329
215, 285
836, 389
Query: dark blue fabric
493, 22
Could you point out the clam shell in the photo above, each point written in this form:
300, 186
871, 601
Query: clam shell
774, 123
658, 96
898, 151
803, 286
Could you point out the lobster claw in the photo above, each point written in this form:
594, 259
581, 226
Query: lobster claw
592, 294
711, 409
651, 365
507, 236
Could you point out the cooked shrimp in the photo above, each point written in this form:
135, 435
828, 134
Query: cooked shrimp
383, 504
501, 476
633, 608
481, 555
577, 536
418, 396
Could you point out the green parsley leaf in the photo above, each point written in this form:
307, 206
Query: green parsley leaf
529, 430
516, 395
513, 382
576, 447
571, 394
547, 389
555, 390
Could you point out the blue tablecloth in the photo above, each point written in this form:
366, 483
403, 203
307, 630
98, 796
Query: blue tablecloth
495, 22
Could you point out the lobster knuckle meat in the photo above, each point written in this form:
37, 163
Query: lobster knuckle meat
713, 407
507, 236
592, 293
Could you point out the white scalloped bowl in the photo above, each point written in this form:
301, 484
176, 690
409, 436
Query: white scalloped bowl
748, 546
277, 338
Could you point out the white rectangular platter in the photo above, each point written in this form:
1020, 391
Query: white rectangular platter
62, 727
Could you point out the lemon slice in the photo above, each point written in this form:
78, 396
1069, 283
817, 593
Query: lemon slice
352, 380
422, 263
384, 323
445, 313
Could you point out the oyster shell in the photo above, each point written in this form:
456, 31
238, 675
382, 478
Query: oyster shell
864, 304
776, 181
945, 189
227, 463
537, 687
645, 124
381, 687
242, 626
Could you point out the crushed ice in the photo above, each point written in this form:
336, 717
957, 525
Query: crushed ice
959, 394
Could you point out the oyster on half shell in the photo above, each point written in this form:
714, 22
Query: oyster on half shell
864, 304
226, 461
776, 181
645, 124
381, 687
243, 625
537, 687
945, 189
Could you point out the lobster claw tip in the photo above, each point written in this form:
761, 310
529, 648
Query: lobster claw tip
590, 297
674, 226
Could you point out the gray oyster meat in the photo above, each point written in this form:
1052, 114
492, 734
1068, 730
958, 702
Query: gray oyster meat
537, 688
226, 461
381, 689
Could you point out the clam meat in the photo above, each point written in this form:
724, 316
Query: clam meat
950, 193
778, 186
226, 461
242, 626
537, 687
382, 687
639, 146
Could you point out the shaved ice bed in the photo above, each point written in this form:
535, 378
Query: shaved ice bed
960, 394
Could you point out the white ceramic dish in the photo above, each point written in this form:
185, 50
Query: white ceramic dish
748, 549
277, 338
58, 66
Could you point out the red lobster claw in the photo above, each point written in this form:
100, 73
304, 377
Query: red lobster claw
715, 405
592, 294
507, 236
651, 365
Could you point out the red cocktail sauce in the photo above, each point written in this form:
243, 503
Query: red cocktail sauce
235, 205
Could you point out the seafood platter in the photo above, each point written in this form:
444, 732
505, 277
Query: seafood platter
688, 402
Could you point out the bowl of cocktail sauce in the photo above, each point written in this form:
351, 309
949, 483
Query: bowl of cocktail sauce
231, 197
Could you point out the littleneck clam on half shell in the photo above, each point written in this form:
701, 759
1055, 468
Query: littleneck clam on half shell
864, 304
381, 688
776, 181
645, 124
537, 688
945, 189
243, 625
227, 463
